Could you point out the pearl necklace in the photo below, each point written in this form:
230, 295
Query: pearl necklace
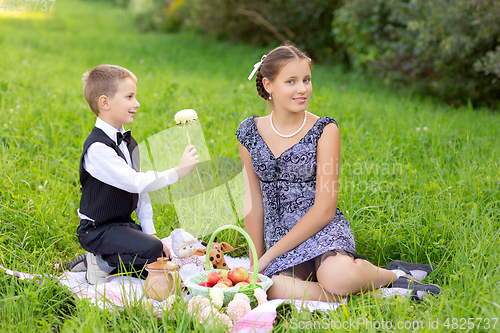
290, 135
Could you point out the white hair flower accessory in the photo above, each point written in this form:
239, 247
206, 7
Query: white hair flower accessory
185, 116
256, 67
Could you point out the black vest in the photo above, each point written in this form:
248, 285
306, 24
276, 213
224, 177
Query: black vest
102, 202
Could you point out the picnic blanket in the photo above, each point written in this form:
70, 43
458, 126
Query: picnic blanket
125, 291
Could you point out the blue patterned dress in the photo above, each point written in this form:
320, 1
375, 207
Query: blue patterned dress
288, 185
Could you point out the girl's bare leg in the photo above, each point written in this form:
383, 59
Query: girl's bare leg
288, 287
343, 275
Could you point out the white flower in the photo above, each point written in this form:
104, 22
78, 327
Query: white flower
237, 308
418, 129
169, 302
425, 128
197, 304
226, 321
208, 314
217, 297
185, 116
260, 295
242, 297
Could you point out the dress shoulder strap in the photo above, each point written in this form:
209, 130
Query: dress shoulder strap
317, 130
246, 133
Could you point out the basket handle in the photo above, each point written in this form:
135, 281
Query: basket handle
252, 248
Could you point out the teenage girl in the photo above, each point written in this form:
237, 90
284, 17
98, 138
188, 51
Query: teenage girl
291, 169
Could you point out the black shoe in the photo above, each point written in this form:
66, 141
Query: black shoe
419, 290
407, 267
78, 265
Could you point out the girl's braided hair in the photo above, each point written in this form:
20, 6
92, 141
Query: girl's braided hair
272, 64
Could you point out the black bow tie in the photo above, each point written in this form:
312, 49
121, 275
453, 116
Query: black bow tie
123, 137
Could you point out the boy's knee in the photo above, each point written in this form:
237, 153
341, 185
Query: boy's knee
155, 250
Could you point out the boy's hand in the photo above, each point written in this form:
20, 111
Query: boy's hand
165, 248
188, 161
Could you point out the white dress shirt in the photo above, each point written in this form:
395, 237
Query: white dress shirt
102, 163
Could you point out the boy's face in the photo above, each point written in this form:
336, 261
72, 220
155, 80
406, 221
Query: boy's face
122, 107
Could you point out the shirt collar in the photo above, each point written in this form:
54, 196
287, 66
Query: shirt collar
108, 129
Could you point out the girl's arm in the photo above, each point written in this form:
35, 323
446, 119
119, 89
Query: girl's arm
253, 207
325, 204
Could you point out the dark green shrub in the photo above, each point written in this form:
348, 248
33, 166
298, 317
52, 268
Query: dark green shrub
163, 15
307, 23
448, 47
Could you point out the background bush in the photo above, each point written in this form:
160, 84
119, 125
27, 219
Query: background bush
164, 15
304, 22
450, 48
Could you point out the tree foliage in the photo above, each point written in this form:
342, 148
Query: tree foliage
306, 23
450, 48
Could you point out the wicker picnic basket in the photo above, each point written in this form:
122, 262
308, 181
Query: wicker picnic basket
197, 290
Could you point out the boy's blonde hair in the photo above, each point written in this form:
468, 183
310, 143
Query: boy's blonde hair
103, 80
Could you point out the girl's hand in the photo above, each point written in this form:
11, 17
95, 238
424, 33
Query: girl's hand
189, 160
263, 263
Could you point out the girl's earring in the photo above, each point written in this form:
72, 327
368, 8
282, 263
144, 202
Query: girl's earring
270, 98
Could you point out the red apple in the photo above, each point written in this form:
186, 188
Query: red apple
238, 274
205, 284
213, 278
249, 280
220, 285
223, 273
227, 282
241, 284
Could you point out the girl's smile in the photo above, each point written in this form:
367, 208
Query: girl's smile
292, 87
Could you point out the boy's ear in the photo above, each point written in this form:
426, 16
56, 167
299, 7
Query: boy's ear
103, 102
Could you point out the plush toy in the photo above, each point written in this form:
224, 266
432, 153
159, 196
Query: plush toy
216, 254
183, 246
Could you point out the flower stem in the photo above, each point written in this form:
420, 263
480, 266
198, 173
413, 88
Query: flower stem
197, 172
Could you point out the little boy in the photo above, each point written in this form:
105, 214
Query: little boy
112, 185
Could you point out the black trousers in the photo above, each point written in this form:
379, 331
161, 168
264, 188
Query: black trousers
121, 244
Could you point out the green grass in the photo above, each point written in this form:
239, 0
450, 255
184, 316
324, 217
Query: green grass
437, 195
